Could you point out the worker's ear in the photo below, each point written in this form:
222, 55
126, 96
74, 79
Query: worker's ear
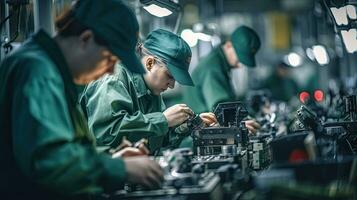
149, 63
85, 37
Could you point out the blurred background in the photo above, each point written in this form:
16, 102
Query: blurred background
315, 39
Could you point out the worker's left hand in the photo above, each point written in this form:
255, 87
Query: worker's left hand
209, 119
126, 149
252, 126
131, 151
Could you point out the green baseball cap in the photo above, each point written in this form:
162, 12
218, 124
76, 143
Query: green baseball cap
174, 51
246, 43
116, 25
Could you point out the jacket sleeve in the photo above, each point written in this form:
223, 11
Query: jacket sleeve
112, 113
44, 142
215, 89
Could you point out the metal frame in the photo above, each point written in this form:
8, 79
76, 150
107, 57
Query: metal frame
5, 32
43, 14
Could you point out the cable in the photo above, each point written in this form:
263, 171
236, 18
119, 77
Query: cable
3, 21
8, 17
7, 46
178, 21
17, 25
330, 14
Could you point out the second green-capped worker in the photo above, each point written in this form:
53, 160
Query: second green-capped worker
130, 104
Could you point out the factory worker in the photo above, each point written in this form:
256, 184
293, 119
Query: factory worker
130, 104
212, 74
46, 149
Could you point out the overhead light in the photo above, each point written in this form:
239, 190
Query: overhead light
204, 37
351, 11
350, 40
320, 54
310, 54
294, 59
161, 8
345, 17
190, 37
344, 13
340, 15
157, 10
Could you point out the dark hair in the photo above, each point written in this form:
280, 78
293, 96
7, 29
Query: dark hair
282, 64
67, 25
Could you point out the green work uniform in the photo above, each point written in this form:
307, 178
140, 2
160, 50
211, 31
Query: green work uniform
46, 150
212, 83
282, 89
120, 105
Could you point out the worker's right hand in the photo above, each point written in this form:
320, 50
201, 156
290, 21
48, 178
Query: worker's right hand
177, 114
131, 151
143, 171
126, 149
252, 126
209, 119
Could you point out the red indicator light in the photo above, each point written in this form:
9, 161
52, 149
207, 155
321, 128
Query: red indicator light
298, 155
319, 95
304, 96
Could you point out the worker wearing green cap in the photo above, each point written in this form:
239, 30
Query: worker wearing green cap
46, 149
280, 83
129, 104
212, 74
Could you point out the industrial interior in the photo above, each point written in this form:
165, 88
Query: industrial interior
198, 99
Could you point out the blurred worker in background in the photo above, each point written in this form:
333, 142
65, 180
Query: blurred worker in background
282, 86
46, 149
130, 104
212, 74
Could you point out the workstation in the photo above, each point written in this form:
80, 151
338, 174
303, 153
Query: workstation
178, 99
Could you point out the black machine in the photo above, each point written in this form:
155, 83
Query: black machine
226, 161
228, 137
217, 146
183, 180
229, 143
333, 137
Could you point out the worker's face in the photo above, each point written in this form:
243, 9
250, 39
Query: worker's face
232, 57
283, 72
157, 77
95, 60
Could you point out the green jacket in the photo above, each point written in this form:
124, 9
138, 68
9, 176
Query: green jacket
212, 83
45, 148
282, 89
120, 105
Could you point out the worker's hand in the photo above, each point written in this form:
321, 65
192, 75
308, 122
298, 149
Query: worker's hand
209, 119
143, 171
126, 149
177, 114
124, 143
131, 151
252, 126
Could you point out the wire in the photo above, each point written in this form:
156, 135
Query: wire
7, 46
178, 21
330, 14
8, 17
3, 21
17, 26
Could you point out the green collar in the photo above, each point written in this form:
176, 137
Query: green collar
55, 53
223, 59
140, 85
138, 81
